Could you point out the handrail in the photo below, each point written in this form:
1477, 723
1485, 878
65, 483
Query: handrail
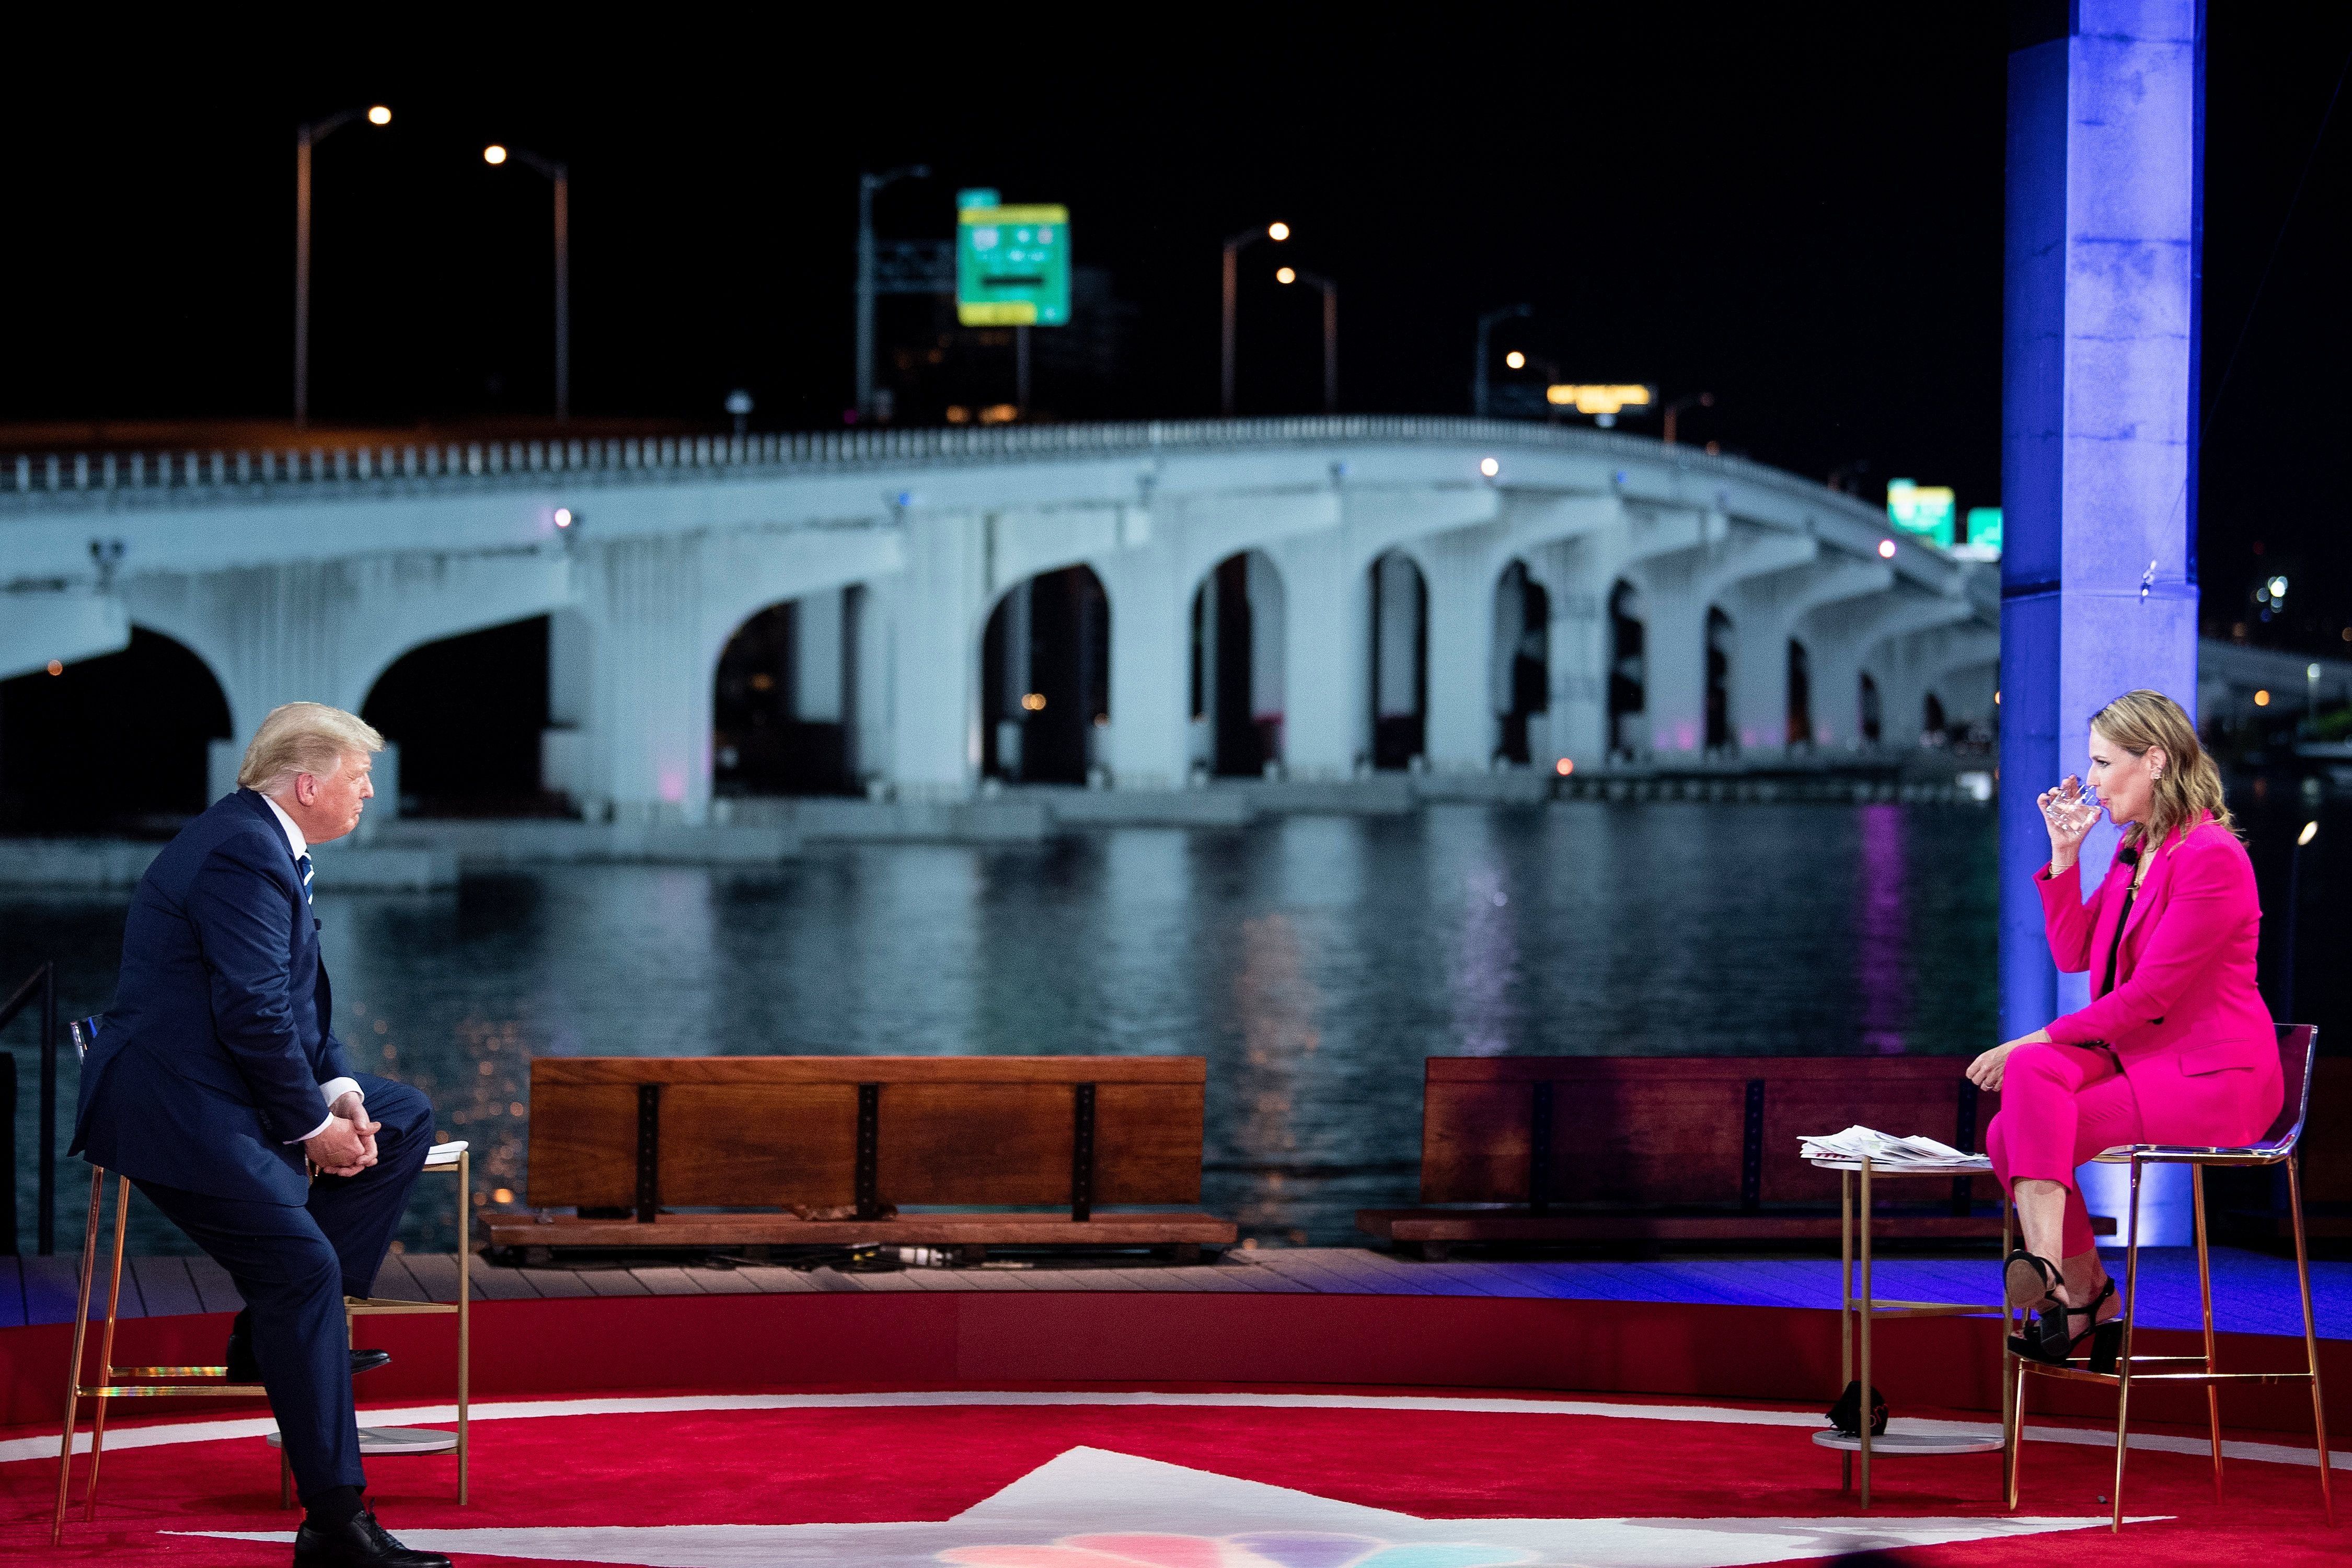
125, 474
43, 982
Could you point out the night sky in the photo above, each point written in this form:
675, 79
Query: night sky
1796, 208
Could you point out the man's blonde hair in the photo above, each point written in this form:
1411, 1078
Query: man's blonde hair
303, 737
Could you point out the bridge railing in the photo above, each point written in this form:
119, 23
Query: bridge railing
244, 469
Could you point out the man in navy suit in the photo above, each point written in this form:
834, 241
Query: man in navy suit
218, 1087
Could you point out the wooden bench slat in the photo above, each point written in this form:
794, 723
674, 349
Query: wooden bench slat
784, 1132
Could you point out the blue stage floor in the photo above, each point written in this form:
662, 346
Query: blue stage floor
2253, 1293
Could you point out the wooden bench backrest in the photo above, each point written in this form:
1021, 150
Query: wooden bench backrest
1709, 1131
771, 1132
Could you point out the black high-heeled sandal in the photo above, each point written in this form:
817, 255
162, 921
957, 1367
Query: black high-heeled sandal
2045, 1338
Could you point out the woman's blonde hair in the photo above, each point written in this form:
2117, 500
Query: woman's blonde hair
2190, 787
303, 737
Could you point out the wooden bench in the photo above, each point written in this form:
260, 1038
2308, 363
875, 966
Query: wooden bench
1654, 1149
648, 1149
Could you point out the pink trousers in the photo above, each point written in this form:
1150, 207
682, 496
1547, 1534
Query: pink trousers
2059, 1106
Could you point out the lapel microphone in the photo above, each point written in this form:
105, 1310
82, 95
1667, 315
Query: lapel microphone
2128, 855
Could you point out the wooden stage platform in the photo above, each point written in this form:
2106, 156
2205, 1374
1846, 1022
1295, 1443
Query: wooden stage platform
2254, 1292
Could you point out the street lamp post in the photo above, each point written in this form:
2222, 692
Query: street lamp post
560, 176
2294, 890
1330, 330
1486, 327
1276, 232
306, 137
867, 184
1695, 400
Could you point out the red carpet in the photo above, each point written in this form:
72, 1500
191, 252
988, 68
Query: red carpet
1173, 1485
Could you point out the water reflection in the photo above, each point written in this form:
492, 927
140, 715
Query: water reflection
1314, 961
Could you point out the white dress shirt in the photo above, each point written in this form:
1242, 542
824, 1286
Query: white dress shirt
334, 1088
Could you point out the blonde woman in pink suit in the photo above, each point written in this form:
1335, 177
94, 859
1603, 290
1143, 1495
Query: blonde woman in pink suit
2175, 1046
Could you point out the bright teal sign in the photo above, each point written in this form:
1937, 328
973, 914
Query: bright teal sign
1012, 265
1924, 511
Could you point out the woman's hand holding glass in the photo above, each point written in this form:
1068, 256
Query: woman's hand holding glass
2068, 812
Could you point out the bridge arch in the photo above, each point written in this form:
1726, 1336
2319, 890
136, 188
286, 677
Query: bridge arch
1044, 679
1520, 677
468, 714
1628, 671
1399, 660
784, 700
1800, 667
1721, 737
1238, 647
120, 742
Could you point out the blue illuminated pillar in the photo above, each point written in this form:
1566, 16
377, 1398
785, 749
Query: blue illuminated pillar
2099, 371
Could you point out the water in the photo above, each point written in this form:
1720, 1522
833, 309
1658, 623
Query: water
1313, 960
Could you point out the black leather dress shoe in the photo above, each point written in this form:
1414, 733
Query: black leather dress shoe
243, 1368
358, 1543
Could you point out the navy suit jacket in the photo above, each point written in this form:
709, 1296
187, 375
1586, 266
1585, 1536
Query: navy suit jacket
221, 1027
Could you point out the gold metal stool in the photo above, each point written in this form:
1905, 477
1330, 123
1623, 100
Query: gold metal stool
111, 1382
384, 1442
1858, 1308
2298, 1047
114, 1382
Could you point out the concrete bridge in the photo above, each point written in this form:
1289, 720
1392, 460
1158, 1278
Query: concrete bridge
1130, 605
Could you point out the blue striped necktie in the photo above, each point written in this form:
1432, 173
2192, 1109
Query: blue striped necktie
302, 863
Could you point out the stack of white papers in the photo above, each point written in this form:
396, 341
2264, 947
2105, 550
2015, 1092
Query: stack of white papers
1893, 1154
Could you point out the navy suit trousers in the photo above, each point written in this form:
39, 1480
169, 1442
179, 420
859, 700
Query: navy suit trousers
295, 1263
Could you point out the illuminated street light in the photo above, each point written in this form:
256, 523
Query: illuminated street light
1331, 329
1478, 371
559, 174
305, 137
1276, 232
1516, 360
1886, 549
2293, 901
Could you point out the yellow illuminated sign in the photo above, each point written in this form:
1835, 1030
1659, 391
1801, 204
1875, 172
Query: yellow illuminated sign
1598, 399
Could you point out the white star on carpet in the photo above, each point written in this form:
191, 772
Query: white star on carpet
1091, 1492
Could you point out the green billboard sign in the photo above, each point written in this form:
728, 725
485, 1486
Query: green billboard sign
1012, 265
1925, 511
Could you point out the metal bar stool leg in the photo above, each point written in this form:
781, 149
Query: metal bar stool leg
1845, 1309
2124, 1363
1868, 1296
465, 1318
2310, 1335
73, 1367
2205, 1300
2011, 1423
106, 1348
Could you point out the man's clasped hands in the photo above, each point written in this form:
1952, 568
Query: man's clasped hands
346, 1145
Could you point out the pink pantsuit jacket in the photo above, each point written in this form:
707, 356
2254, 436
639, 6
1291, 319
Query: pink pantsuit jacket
2184, 1018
